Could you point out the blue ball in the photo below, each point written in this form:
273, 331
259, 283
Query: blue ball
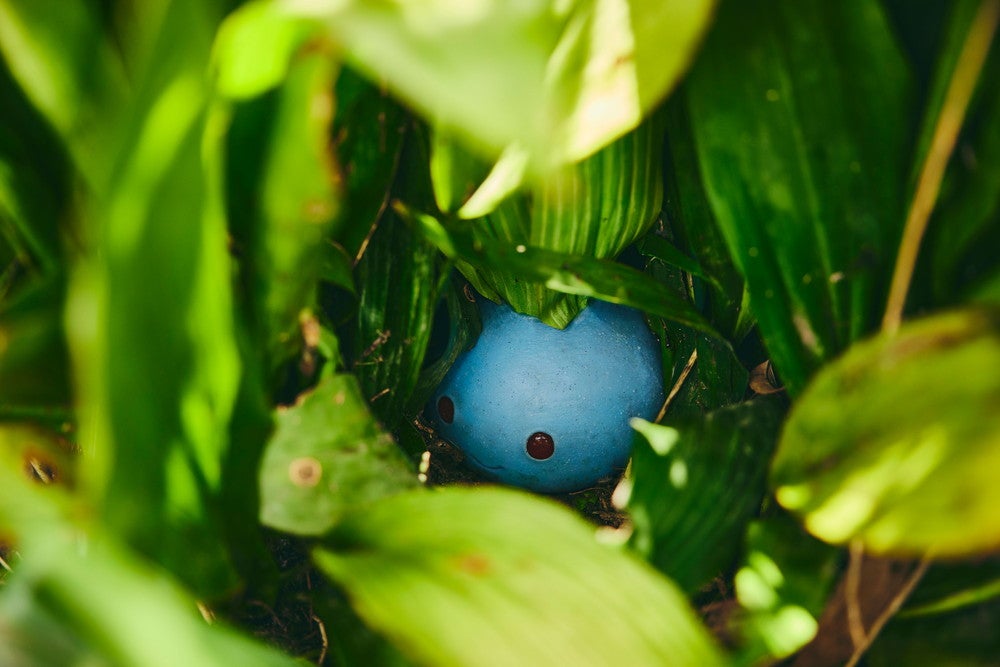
549, 409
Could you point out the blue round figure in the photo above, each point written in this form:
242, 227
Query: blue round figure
548, 409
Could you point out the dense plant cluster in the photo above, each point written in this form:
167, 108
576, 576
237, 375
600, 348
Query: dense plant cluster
241, 244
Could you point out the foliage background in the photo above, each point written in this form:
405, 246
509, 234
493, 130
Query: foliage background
234, 240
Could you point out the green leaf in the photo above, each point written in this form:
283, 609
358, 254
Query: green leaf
254, 49
150, 317
34, 178
594, 209
966, 637
964, 228
59, 600
368, 137
896, 443
457, 576
696, 484
795, 109
34, 361
327, 458
287, 192
60, 55
399, 280
570, 274
694, 229
783, 584
585, 72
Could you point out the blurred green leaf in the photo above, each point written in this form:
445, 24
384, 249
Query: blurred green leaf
94, 598
292, 197
507, 578
896, 443
34, 177
949, 586
795, 108
696, 484
583, 72
327, 459
150, 315
60, 55
34, 361
571, 274
782, 586
964, 228
964, 638
255, 47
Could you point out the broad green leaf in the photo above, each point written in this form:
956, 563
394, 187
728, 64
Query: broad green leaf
795, 109
593, 209
150, 317
494, 576
77, 592
696, 484
326, 459
561, 79
896, 443
570, 274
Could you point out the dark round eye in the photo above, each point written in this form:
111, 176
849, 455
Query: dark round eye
540, 446
446, 409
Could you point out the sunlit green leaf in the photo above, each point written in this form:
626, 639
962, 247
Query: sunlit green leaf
696, 484
522, 576
255, 47
561, 79
896, 443
327, 458
150, 317
795, 109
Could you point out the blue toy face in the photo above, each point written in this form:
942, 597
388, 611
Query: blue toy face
545, 409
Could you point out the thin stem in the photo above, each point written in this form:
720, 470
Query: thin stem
890, 610
949, 122
852, 590
677, 386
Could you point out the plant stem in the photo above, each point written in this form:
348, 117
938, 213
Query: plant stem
949, 122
